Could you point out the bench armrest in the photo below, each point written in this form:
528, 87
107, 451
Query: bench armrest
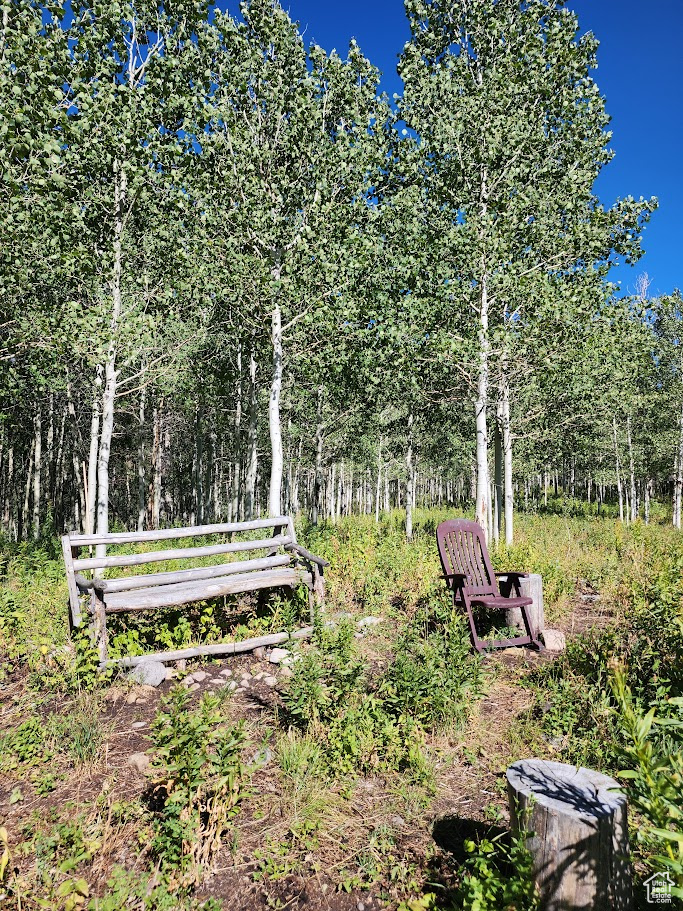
514, 574
306, 554
86, 585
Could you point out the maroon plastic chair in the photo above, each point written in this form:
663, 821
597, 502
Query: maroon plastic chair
469, 575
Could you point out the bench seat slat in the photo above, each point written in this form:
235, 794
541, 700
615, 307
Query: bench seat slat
187, 592
128, 583
168, 534
184, 553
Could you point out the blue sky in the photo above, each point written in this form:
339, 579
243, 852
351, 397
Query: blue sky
640, 72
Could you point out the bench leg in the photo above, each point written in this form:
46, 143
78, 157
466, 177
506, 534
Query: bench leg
100, 627
316, 594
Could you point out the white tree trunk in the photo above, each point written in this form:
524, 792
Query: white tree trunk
482, 495
618, 470
142, 492
410, 479
678, 490
498, 479
274, 426
157, 463
237, 441
252, 440
379, 479
508, 499
316, 506
91, 492
632, 473
37, 464
110, 372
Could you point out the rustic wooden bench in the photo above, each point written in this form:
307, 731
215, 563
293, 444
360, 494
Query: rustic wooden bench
284, 564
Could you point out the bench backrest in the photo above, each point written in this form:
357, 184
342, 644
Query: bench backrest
283, 535
462, 549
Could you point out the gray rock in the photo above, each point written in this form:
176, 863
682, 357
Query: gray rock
286, 672
194, 687
270, 681
278, 655
139, 761
198, 676
262, 757
369, 621
226, 672
217, 681
554, 640
148, 673
139, 724
259, 652
181, 664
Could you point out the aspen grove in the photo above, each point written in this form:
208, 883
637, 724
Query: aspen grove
235, 279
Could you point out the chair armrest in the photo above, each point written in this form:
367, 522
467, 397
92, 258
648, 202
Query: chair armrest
456, 578
86, 585
513, 573
306, 554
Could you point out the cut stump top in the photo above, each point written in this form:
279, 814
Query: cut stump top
566, 789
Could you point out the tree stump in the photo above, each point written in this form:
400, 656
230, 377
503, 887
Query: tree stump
577, 834
531, 587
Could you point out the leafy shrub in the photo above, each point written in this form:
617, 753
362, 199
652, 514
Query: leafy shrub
198, 786
433, 675
328, 698
497, 877
655, 774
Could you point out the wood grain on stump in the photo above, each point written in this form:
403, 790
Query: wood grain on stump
530, 587
577, 834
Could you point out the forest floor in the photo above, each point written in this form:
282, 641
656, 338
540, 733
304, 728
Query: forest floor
76, 784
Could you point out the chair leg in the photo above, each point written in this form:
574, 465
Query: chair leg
478, 644
530, 633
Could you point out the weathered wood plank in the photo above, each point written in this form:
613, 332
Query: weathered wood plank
129, 583
168, 534
221, 648
183, 553
187, 592
74, 603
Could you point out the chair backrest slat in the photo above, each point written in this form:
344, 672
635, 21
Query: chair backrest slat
462, 549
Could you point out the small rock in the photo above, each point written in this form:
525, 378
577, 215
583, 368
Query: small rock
171, 672
358, 636
240, 690
397, 821
139, 761
210, 693
286, 672
360, 906
232, 686
270, 681
589, 599
194, 687
278, 655
226, 673
217, 681
554, 640
148, 673
259, 652
369, 621
181, 664
260, 676
139, 724
262, 757
198, 676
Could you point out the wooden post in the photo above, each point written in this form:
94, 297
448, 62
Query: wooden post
577, 834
